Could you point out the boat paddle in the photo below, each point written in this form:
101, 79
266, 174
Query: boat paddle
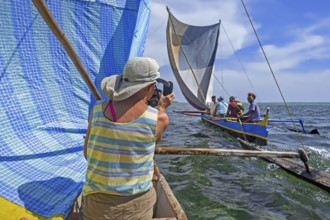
240, 123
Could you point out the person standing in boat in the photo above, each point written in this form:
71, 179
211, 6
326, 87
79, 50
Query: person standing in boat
253, 113
120, 144
221, 107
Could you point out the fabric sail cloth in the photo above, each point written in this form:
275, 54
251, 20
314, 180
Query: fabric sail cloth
192, 51
44, 101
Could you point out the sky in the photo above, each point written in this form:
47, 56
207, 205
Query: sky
295, 35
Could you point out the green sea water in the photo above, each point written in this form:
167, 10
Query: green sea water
227, 187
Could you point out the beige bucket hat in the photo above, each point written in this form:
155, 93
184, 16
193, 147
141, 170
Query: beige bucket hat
139, 72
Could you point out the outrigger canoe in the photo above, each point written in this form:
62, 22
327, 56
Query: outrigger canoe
251, 132
167, 206
192, 63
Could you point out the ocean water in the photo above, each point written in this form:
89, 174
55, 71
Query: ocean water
228, 187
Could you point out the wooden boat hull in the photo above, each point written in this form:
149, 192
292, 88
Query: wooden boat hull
252, 132
297, 168
167, 206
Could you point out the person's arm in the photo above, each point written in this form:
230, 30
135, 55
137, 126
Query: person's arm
247, 113
251, 109
87, 134
162, 120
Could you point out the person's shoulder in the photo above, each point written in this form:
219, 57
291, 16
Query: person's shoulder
98, 104
152, 109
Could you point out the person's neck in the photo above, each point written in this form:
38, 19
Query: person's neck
130, 109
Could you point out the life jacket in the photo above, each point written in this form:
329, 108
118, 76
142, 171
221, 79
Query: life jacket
240, 107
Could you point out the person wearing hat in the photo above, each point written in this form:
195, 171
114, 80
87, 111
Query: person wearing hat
253, 113
120, 143
221, 107
232, 107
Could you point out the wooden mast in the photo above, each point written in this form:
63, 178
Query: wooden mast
55, 28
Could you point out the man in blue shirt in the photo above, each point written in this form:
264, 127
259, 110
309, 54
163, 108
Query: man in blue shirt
221, 107
253, 111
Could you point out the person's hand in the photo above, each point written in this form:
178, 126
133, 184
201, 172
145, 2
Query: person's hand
156, 175
165, 101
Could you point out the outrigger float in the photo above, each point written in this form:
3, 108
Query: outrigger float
300, 169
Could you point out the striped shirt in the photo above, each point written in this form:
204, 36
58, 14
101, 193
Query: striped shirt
120, 155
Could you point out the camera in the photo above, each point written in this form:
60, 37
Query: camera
153, 101
167, 89
167, 86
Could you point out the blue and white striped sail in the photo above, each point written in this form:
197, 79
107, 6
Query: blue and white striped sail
192, 51
44, 102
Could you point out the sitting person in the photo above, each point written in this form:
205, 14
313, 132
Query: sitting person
232, 107
253, 114
221, 107
213, 105
120, 144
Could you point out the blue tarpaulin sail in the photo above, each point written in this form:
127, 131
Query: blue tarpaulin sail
44, 102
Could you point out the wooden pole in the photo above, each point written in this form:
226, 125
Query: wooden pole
225, 152
55, 28
240, 123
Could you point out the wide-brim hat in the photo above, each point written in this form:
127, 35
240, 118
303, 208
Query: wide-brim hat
139, 72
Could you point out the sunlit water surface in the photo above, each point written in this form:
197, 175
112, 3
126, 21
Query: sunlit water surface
218, 187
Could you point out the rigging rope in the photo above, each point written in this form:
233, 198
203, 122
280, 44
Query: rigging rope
221, 84
221, 69
271, 70
239, 61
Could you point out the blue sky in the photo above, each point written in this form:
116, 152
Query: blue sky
295, 36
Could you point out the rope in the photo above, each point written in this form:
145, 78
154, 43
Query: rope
221, 84
186, 58
239, 61
271, 70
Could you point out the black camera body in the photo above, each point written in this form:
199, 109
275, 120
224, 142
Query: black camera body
167, 89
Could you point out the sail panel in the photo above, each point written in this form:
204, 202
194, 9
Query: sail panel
192, 51
44, 101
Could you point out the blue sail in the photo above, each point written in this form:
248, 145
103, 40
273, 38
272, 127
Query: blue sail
44, 102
